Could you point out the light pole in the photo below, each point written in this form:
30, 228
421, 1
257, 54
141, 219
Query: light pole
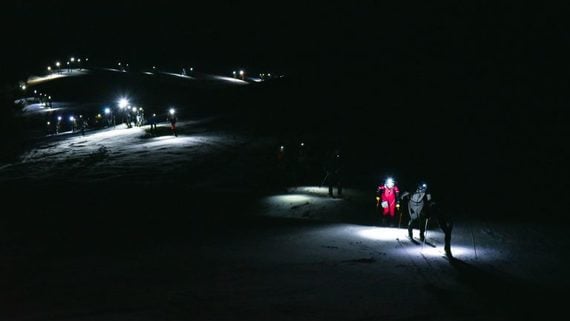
58, 65
241, 74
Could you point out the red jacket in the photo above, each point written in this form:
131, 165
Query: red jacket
388, 194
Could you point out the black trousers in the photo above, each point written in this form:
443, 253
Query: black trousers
420, 222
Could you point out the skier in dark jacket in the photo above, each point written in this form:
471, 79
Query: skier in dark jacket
445, 221
423, 209
416, 205
334, 170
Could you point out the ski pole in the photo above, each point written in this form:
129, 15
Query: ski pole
425, 232
400, 220
324, 179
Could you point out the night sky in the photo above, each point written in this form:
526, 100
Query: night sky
478, 40
495, 74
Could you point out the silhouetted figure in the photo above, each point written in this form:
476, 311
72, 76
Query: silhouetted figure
445, 221
152, 122
83, 126
334, 173
172, 119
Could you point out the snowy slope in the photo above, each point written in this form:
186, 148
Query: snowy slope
264, 253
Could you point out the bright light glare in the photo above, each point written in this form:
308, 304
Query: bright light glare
71, 118
123, 102
107, 111
172, 111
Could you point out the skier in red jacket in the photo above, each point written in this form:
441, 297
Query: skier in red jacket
388, 194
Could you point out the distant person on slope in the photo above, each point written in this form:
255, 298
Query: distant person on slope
172, 119
334, 171
152, 122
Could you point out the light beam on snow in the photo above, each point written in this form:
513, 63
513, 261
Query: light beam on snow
382, 233
62, 74
177, 75
229, 79
310, 190
290, 199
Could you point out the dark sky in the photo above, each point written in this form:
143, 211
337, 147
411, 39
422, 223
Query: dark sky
500, 70
476, 38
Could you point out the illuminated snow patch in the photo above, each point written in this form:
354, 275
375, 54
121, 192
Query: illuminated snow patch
175, 141
382, 233
61, 74
229, 79
177, 75
294, 198
310, 190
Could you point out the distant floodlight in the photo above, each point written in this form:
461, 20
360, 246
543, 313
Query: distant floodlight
59, 118
57, 64
68, 63
282, 147
302, 144
153, 67
119, 64
79, 60
191, 68
123, 102
35, 91
49, 68
234, 73
71, 118
107, 111
72, 59
86, 59
241, 72
268, 75
48, 123
98, 115
153, 115
172, 111
49, 97
23, 87
140, 109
